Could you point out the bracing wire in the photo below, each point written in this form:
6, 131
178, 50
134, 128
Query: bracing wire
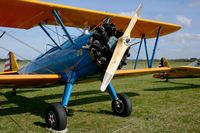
26, 59
55, 32
57, 35
22, 42
26, 44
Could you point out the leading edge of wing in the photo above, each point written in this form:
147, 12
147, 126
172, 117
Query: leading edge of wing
26, 14
29, 80
138, 72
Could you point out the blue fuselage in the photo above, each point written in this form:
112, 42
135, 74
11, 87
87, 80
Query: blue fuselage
71, 57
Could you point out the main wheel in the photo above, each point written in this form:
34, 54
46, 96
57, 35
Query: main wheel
166, 79
56, 117
122, 106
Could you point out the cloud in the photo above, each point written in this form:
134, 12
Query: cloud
179, 45
184, 20
195, 3
159, 17
130, 13
185, 38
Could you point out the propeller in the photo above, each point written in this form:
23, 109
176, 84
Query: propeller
120, 49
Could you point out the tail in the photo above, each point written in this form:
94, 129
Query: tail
11, 63
164, 62
162, 75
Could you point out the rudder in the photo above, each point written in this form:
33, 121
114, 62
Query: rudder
164, 62
11, 63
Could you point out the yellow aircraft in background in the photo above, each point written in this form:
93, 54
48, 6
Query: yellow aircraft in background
190, 71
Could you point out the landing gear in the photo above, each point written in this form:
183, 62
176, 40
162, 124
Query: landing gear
122, 106
14, 92
56, 117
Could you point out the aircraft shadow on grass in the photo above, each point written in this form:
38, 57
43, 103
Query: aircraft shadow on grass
183, 86
37, 105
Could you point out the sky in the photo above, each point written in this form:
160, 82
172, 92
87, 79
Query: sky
182, 44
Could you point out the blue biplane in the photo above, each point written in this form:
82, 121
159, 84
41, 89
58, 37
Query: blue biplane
98, 53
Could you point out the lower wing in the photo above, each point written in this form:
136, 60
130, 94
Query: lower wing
139, 72
12, 80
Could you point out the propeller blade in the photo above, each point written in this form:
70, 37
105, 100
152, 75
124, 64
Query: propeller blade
133, 21
119, 51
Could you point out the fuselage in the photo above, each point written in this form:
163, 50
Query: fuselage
71, 57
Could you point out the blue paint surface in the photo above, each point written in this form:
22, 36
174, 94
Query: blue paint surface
112, 92
72, 57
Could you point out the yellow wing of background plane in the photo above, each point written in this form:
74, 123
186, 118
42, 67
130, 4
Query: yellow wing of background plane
26, 14
180, 72
186, 71
190, 71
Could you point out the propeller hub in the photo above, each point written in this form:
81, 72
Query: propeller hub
126, 40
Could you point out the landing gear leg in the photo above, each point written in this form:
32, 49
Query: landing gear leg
56, 116
121, 104
14, 91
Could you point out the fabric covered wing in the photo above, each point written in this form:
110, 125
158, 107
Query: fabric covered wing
138, 72
184, 72
26, 14
32, 80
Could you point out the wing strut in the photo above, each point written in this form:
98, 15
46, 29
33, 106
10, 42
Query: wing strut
154, 50
150, 62
2, 34
59, 20
42, 27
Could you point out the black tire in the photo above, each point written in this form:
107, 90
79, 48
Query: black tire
122, 106
56, 117
166, 79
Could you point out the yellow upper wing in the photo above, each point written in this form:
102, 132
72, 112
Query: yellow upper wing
26, 14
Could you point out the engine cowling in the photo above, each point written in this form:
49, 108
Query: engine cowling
103, 43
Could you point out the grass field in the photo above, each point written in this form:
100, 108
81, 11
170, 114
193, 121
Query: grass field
157, 107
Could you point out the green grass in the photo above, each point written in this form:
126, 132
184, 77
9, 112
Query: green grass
157, 107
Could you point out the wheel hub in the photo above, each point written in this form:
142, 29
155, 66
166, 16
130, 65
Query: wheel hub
51, 119
119, 106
